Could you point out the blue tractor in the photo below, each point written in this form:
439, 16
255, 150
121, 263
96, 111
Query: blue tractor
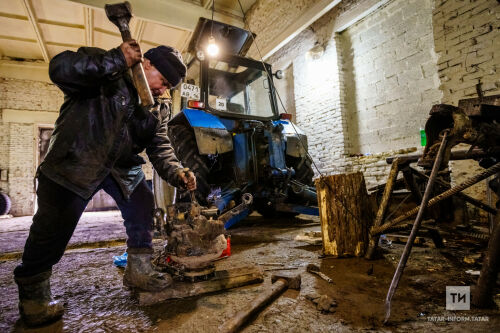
231, 135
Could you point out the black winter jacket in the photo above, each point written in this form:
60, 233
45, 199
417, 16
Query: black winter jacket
101, 127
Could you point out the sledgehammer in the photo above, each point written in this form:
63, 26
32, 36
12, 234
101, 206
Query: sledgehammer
281, 282
120, 14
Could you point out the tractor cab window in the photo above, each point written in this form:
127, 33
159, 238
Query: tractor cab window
237, 89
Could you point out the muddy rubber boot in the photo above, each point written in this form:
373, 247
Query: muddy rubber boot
36, 305
140, 274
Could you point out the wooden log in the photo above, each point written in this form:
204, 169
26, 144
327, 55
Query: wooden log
224, 279
345, 214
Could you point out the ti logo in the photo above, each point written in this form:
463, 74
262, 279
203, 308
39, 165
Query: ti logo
457, 298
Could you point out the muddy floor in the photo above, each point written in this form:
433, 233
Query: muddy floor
95, 300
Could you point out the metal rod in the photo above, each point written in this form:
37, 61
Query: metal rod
416, 225
462, 196
452, 191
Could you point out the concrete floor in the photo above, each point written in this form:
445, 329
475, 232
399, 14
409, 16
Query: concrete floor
96, 301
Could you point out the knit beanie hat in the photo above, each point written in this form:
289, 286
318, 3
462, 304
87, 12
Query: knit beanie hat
169, 63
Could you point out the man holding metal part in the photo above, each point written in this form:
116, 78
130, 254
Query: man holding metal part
98, 135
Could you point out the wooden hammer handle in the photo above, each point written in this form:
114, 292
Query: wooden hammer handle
140, 81
240, 318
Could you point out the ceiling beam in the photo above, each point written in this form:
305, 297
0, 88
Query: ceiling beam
317, 10
32, 19
88, 14
359, 12
174, 13
139, 31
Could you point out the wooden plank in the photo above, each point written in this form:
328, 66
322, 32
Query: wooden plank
223, 280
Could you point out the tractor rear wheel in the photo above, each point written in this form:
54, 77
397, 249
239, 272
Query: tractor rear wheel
186, 150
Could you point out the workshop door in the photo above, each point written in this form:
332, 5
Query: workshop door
100, 201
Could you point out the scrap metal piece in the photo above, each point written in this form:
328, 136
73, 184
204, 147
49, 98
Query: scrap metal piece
193, 241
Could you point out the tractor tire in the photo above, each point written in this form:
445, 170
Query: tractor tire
5, 204
186, 150
303, 170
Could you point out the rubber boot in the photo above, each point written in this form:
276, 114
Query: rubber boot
140, 274
36, 305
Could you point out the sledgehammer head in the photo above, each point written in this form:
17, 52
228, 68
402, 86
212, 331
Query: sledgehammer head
120, 14
293, 280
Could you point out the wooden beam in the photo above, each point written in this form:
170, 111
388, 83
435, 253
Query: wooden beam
32, 19
222, 280
359, 12
25, 70
88, 14
29, 116
306, 19
174, 13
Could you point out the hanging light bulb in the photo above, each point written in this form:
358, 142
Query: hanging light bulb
212, 48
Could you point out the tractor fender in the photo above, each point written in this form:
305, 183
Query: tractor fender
293, 136
212, 137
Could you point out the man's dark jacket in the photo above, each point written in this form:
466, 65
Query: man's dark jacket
101, 127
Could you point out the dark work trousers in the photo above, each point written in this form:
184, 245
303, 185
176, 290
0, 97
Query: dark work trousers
58, 213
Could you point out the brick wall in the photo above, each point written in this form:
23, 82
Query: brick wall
18, 139
467, 39
370, 91
390, 76
390, 68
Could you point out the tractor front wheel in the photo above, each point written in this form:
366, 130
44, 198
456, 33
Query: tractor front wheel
184, 142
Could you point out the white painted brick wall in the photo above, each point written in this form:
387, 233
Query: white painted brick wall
21, 168
17, 140
390, 77
467, 39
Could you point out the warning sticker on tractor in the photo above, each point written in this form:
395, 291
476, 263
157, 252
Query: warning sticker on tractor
220, 104
190, 91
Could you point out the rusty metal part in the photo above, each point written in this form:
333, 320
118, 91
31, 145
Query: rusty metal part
193, 242
120, 15
382, 210
313, 269
475, 121
416, 225
281, 282
452, 191
246, 201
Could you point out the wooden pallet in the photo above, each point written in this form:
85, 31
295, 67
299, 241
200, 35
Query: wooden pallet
223, 280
